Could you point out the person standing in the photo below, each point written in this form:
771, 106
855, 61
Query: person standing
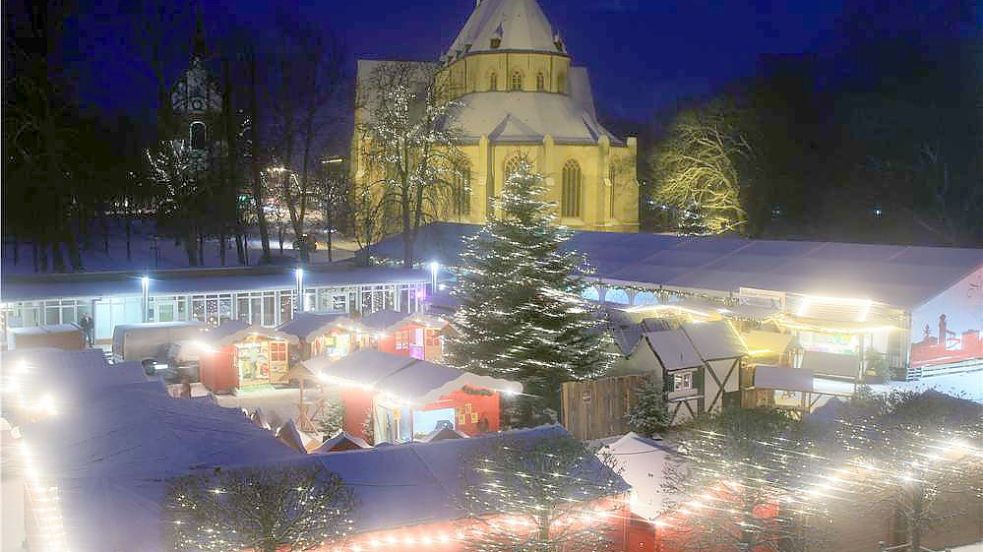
87, 325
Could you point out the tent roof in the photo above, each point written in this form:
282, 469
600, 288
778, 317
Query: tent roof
417, 483
903, 277
382, 320
643, 462
404, 377
519, 24
234, 331
112, 447
329, 445
715, 340
308, 325
771, 342
782, 378
443, 433
674, 349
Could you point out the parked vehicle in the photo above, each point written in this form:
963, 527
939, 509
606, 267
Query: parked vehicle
142, 342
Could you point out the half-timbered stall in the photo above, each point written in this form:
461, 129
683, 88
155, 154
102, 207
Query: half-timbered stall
242, 356
397, 399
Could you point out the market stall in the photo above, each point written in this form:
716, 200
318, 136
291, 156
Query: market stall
240, 356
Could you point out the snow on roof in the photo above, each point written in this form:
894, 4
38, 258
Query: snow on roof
899, 276
382, 320
524, 117
110, 457
768, 342
236, 331
197, 281
308, 325
674, 349
642, 462
418, 483
443, 433
404, 377
340, 442
518, 24
782, 378
715, 340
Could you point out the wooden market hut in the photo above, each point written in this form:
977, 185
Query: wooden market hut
330, 335
405, 399
240, 356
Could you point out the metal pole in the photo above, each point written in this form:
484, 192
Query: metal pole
145, 300
299, 304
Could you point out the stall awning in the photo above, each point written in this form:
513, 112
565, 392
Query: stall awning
831, 364
782, 378
406, 378
761, 343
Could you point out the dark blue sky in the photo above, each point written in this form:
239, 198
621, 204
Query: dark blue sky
642, 54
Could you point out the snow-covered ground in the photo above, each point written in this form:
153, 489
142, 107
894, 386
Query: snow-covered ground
169, 254
966, 385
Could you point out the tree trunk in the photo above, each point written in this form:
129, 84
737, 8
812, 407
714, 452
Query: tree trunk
57, 259
74, 257
280, 238
221, 248
16, 250
34, 254
264, 234
201, 249
189, 248
105, 232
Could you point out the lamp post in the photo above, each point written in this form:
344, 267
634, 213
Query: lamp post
145, 299
434, 271
299, 304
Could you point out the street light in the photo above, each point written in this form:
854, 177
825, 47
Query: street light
434, 271
333, 161
299, 275
145, 288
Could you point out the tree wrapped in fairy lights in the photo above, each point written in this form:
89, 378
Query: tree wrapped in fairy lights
739, 485
269, 509
545, 495
913, 457
522, 316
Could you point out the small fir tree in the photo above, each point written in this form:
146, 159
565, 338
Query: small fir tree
650, 415
522, 316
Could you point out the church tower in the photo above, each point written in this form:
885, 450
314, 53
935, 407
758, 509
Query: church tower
196, 103
520, 96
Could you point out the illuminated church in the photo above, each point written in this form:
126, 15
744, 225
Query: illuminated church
521, 96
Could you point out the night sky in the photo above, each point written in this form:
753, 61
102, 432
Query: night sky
642, 54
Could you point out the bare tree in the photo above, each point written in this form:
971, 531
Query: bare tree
255, 134
174, 172
270, 509
553, 491
406, 145
698, 168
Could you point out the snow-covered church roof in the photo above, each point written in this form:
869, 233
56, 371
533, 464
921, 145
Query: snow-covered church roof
517, 24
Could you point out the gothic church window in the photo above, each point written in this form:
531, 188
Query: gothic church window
199, 136
561, 83
516, 83
540, 82
493, 81
462, 191
611, 174
511, 167
571, 192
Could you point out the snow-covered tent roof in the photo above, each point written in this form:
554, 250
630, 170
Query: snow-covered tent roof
782, 378
715, 340
625, 332
404, 377
382, 320
308, 325
899, 276
643, 462
110, 458
674, 349
234, 331
517, 24
443, 433
342, 441
761, 342
528, 117
418, 483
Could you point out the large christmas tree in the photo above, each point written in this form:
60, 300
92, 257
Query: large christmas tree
522, 315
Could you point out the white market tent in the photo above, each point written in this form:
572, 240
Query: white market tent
904, 277
408, 378
783, 378
118, 437
643, 462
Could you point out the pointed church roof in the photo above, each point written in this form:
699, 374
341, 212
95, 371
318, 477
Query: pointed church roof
518, 24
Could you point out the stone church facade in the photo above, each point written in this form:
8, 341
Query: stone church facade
521, 97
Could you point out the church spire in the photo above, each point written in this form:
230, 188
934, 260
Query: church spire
198, 49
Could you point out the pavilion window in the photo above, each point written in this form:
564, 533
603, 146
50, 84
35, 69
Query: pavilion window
516, 82
540, 82
571, 192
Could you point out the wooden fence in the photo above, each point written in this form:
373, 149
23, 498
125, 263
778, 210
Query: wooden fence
597, 409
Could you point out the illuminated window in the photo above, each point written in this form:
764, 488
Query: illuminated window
493, 81
402, 340
511, 167
540, 82
198, 135
461, 194
682, 381
516, 82
278, 351
570, 197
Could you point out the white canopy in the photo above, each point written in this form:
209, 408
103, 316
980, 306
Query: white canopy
643, 462
782, 378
